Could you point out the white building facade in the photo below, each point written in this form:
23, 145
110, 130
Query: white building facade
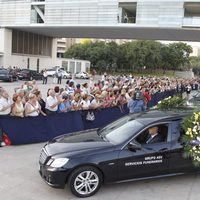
28, 28
166, 13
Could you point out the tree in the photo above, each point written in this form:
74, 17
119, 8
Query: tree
194, 64
179, 54
132, 55
144, 53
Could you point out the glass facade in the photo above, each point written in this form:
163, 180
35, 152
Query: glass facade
32, 44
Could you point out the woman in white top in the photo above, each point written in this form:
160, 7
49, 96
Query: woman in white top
85, 89
85, 102
32, 106
52, 102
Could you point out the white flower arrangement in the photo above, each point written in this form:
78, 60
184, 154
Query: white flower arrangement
192, 138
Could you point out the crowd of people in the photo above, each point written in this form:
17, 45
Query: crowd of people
110, 91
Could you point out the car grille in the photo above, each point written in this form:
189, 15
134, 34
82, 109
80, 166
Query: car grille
43, 157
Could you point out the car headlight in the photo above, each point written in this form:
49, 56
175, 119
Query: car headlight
57, 162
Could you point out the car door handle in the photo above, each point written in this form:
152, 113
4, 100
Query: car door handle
164, 149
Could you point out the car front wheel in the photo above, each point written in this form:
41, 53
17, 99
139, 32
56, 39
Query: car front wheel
85, 181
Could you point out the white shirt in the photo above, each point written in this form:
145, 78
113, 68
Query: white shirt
4, 103
85, 104
93, 102
45, 74
70, 91
35, 113
50, 101
74, 103
151, 137
85, 90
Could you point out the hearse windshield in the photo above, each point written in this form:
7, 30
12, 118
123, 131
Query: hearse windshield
120, 130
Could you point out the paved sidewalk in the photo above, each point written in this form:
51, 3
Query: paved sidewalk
20, 180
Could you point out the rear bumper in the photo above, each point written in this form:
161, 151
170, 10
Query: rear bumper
56, 179
23, 77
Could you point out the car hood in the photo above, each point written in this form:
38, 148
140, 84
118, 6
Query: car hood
76, 142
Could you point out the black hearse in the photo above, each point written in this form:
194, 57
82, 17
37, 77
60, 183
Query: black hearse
118, 152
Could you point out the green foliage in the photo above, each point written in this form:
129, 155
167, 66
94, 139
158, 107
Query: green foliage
138, 55
171, 103
194, 63
191, 139
179, 53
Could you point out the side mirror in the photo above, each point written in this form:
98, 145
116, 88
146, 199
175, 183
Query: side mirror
132, 146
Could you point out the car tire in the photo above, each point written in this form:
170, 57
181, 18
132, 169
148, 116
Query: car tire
65, 77
85, 181
11, 79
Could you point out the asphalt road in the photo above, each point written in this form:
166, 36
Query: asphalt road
20, 180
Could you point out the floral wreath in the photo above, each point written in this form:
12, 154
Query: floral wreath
171, 103
191, 126
191, 139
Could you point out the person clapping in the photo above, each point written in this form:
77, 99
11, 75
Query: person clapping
32, 106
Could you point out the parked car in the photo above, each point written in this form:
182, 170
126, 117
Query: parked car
116, 153
82, 75
8, 75
66, 75
29, 75
51, 72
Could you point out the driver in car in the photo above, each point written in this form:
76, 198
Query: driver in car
154, 136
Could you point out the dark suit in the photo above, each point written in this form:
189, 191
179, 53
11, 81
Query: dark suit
156, 139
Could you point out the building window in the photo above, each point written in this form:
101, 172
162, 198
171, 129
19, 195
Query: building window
87, 66
127, 12
60, 55
72, 67
32, 44
192, 9
37, 14
65, 65
78, 67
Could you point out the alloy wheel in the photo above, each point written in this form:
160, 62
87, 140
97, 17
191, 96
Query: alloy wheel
86, 182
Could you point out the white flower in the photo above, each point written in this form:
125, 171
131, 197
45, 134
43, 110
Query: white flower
194, 148
195, 128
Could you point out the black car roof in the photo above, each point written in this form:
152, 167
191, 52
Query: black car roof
160, 116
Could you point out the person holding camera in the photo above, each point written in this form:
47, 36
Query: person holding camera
136, 104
